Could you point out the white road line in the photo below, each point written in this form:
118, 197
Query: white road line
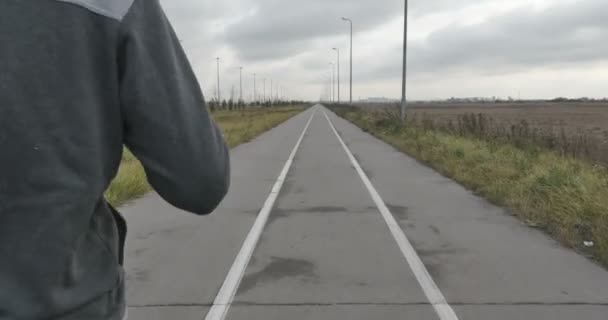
432, 292
226, 294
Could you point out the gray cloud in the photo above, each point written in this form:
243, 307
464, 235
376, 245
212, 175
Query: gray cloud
562, 35
290, 40
280, 28
420, 8
570, 33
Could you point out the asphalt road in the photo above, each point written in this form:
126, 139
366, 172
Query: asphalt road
321, 242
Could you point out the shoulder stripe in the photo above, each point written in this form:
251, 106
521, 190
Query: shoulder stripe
115, 9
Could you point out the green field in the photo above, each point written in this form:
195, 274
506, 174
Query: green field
238, 126
563, 195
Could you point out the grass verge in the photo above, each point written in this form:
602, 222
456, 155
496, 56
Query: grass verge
239, 127
566, 197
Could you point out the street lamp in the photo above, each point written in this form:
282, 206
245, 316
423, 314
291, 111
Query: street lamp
403, 89
255, 94
241, 85
351, 58
331, 90
327, 80
277, 96
338, 54
333, 81
219, 99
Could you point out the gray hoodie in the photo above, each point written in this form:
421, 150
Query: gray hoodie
78, 79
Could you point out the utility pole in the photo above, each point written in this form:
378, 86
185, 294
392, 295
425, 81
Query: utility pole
264, 95
329, 89
219, 97
404, 80
351, 58
333, 89
241, 89
333, 74
271, 98
338, 53
255, 94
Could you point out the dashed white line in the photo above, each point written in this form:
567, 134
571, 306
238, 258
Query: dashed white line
432, 292
225, 296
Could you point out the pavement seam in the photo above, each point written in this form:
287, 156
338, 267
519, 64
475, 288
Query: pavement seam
262, 304
425, 304
172, 305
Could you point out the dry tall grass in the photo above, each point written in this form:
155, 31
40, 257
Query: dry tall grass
580, 145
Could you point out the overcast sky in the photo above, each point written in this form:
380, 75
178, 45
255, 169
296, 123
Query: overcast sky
457, 48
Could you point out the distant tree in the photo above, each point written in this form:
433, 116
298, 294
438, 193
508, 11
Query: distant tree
214, 96
212, 105
232, 97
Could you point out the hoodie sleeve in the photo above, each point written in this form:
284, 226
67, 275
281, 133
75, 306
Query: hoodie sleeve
166, 122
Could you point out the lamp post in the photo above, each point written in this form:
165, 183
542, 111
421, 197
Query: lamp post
338, 54
219, 98
241, 85
329, 88
333, 81
403, 85
351, 58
